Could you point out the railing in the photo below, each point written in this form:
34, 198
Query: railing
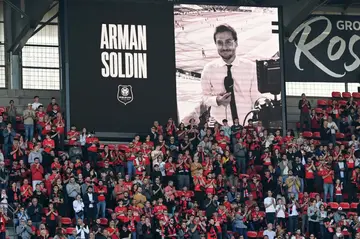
11, 210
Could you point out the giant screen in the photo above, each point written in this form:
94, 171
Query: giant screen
128, 64
201, 59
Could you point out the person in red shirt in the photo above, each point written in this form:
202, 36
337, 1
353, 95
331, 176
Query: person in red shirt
92, 144
101, 191
328, 177
48, 144
51, 219
37, 172
3, 220
304, 107
73, 136
40, 119
50, 106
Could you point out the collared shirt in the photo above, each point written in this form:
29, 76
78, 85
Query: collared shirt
78, 206
245, 87
82, 231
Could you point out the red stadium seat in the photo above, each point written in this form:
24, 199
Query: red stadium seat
252, 234
329, 102
318, 110
102, 146
354, 205
122, 147
103, 221
18, 118
340, 135
260, 234
342, 102
334, 205
45, 210
322, 103
316, 135
111, 146
70, 230
356, 95
346, 95
66, 221
307, 134
345, 233
2, 109
336, 94
351, 214
313, 195
345, 205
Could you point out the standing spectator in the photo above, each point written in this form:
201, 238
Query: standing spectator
313, 217
11, 113
29, 119
269, 232
72, 190
34, 211
35, 105
90, 202
23, 230
9, 135
35, 154
3, 221
328, 177
101, 191
293, 213
304, 107
4, 176
50, 106
82, 230
333, 129
270, 204
240, 156
37, 173
78, 207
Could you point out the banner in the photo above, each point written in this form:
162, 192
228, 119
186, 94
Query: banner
324, 49
121, 64
208, 39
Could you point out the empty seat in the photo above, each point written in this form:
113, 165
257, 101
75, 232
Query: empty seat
340, 135
342, 102
316, 135
252, 234
336, 94
356, 95
322, 102
346, 95
345, 205
334, 205
318, 110
307, 134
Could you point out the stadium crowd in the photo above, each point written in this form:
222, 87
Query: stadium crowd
182, 181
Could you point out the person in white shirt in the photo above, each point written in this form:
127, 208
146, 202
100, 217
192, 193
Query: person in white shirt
35, 105
280, 213
82, 230
269, 231
229, 84
270, 204
333, 129
78, 206
293, 213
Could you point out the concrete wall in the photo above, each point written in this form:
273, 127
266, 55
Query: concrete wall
23, 97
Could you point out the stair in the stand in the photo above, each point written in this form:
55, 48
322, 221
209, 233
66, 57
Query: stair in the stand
10, 233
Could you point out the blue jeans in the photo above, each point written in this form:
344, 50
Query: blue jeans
242, 232
29, 131
39, 131
130, 168
328, 189
101, 206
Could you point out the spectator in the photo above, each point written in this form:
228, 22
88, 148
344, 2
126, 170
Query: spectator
304, 107
29, 117
270, 204
82, 230
34, 211
23, 230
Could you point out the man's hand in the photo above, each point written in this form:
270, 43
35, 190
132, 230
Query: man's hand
223, 99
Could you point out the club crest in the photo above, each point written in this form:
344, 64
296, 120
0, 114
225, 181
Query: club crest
125, 94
